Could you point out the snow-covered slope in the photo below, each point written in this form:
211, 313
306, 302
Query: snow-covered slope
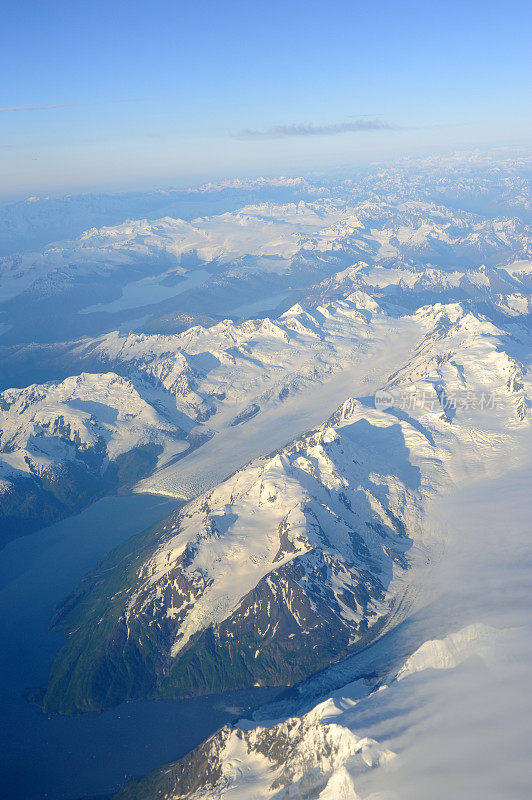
64, 443
175, 393
226, 368
269, 235
409, 286
317, 755
254, 382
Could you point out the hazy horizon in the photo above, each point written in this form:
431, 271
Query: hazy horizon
165, 183
124, 101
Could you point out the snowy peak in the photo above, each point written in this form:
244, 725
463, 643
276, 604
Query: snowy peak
308, 544
409, 286
474, 640
115, 414
321, 753
63, 444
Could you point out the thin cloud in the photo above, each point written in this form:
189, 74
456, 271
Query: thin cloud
69, 105
280, 131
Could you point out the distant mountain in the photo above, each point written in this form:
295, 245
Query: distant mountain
408, 286
37, 221
146, 273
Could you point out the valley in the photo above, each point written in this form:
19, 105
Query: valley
263, 487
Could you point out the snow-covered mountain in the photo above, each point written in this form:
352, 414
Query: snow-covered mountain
269, 237
229, 367
175, 393
310, 543
240, 382
64, 444
154, 273
409, 286
319, 754
274, 573
38, 220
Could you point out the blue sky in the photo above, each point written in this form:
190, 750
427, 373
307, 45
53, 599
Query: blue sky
163, 93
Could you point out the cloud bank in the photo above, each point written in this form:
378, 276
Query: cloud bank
299, 129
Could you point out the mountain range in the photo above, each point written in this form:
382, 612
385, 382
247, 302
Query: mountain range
313, 369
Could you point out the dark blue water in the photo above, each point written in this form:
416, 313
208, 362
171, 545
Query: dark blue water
61, 758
